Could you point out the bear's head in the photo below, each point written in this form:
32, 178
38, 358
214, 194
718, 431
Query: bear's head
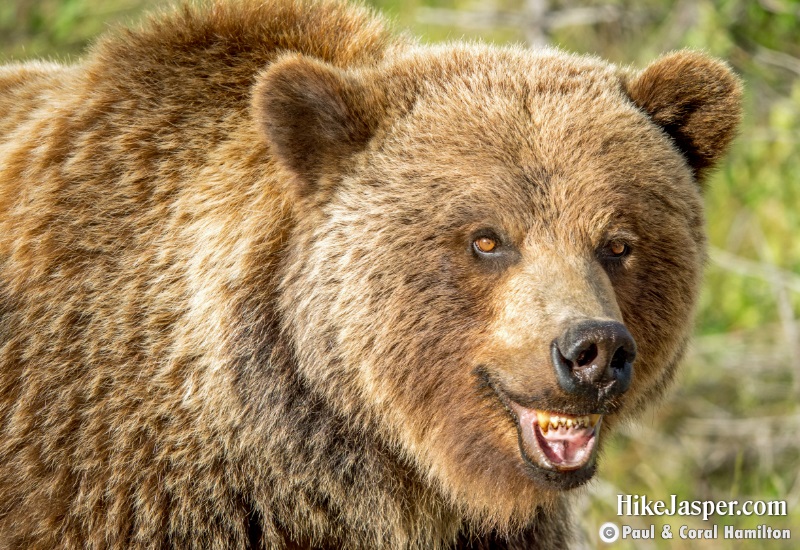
496, 253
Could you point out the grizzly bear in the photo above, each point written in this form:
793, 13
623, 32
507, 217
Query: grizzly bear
274, 276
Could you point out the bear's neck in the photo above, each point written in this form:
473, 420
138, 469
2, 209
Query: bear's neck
313, 459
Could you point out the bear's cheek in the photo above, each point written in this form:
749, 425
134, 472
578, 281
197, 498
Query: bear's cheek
657, 298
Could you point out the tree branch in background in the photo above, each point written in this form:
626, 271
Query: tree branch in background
777, 59
750, 268
780, 8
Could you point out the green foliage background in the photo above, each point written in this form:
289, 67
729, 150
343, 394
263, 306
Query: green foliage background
731, 427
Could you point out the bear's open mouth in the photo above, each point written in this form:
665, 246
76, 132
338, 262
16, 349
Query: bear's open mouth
557, 441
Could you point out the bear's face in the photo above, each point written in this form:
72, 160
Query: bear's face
496, 254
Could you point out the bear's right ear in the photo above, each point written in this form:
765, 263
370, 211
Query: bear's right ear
696, 100
314, 116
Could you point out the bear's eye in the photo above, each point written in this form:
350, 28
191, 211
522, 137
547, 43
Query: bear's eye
618, 249
485, 245
491, 251
613, 253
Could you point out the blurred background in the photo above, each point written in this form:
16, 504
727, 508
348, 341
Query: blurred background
730, 429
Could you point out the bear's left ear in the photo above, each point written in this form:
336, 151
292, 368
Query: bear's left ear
696, 100
314, 116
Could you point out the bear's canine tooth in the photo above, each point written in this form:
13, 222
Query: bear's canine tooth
544, 420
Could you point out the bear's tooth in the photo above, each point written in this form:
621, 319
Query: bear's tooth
544, 420
595, 418
554, 421
569, 422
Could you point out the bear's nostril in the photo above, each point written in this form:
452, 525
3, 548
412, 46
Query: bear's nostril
587, 356
619, 359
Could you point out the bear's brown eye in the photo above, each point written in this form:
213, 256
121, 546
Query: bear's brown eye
485, 244
618, 249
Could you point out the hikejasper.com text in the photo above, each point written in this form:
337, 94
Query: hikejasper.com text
640, 505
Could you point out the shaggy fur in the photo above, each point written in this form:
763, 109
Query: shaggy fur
239, 306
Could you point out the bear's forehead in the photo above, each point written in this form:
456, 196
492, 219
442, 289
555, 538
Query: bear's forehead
513, 102
469, 136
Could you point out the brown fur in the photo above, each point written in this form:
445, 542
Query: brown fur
238, 305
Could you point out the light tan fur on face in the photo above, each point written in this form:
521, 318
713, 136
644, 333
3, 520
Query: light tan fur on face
238, 300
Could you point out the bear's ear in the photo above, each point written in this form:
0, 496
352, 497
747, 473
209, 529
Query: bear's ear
696, 100
313, 115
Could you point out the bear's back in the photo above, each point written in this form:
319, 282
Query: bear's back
138, 203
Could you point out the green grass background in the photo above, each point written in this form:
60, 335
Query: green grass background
730, 429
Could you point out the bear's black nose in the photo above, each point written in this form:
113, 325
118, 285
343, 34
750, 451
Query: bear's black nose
594, 358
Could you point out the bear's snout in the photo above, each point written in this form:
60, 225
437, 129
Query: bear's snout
594, 358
